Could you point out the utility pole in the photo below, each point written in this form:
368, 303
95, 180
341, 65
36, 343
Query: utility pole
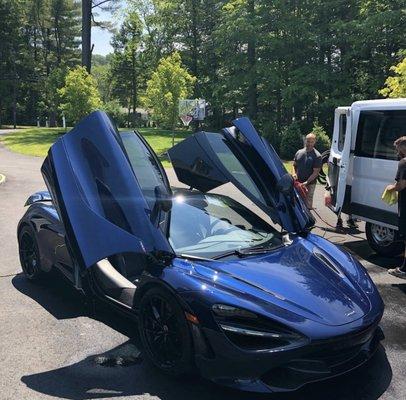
86, 34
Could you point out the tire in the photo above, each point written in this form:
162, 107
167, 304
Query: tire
29, 254
167, 344
322, 178
384, 241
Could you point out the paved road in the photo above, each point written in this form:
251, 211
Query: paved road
50, 347
6, 131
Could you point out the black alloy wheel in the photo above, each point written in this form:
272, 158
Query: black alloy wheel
164, 333
29, 253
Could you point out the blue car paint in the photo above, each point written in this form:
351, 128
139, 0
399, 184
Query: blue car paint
288, 285
302, 217
91, 155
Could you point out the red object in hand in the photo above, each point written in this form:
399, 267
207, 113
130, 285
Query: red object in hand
302, 189
327, 198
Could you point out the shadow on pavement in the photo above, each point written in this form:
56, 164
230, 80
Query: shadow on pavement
91, 379
401, 287
53, 294
121, 371
62, 301
361, 249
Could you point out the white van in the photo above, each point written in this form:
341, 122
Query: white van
362, 162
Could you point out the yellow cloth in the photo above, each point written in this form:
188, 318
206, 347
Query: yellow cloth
390, 197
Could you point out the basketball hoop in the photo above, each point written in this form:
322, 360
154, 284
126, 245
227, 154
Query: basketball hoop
186, 119
192, 109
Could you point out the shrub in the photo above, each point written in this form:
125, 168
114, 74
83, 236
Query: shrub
271, 133
169, 83
323, 141
291, 141
114, 110
79, 95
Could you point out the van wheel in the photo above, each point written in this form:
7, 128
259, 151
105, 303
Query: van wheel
385, 241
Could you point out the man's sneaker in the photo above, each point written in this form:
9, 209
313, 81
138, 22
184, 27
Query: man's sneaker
339, 225
397, 272
352, 224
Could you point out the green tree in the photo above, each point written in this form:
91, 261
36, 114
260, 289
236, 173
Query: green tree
50, 97
168, 84
323, 140
114, 110
79, 95
103, 76
37, 37
292, 141
13, 57
395, 86
125, 65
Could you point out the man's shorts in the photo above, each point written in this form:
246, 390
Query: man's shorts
310, 195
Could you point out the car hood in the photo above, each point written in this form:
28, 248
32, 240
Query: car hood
300, 278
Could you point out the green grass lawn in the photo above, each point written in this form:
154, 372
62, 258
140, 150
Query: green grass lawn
36, 141
33, 141
161, 140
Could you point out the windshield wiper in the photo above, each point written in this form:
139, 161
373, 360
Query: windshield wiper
247, 252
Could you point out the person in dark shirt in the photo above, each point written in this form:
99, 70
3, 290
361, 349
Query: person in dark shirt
400, 187
307, 165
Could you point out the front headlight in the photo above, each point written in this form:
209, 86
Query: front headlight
223, 310
250, 331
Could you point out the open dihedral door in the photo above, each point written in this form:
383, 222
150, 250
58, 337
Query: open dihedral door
97, 194
239, 155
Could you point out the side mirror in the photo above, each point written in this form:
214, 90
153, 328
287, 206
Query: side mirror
285, 184
162, 203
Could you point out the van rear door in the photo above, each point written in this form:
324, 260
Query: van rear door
339, 159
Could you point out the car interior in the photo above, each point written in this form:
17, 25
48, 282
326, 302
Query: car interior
202, 225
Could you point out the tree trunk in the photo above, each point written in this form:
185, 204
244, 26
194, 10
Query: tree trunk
86, 34
195, 46
48, 51
133, 84
52, 119
57, 40
252, 75
15, 103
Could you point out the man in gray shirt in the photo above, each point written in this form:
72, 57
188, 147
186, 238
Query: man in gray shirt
307, 165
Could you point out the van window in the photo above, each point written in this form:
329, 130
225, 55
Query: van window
377, 130
341, 132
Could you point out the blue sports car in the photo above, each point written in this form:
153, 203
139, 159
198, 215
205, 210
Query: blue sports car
251, 300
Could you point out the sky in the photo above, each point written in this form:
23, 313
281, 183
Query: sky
101, 40
101, 37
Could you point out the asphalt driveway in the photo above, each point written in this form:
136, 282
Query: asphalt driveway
51, 348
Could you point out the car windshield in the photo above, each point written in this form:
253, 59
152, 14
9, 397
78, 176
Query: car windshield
209, 225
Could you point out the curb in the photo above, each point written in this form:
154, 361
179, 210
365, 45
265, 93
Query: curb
2, 178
